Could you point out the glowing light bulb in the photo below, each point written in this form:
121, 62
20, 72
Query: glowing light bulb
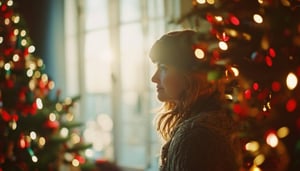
272, 139
283, 132
258, 18
75, 162
52, 117
10, 3
33, 135
64, 132
223, 45
34, 159
252, 146
201, 1
219, 18
31, 49
16, 57
210, 2
23, 33
7, 66
291, 81
39, 103
199, 53
1, 39
259, 159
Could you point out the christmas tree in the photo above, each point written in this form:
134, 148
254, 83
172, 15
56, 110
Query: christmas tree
36, 132
257, 42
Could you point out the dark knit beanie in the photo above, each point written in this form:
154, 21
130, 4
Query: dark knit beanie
177, 48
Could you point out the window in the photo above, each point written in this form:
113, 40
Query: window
108, 65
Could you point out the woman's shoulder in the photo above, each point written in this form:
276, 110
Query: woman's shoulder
219, 121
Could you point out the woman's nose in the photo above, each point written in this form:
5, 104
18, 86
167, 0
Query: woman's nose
155, 77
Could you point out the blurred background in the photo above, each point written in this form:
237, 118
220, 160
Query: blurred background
75, 79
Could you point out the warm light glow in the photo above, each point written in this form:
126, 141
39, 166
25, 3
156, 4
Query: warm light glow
201, 1
283, 132
255, 168
24, 42
45, 78
42, 141
252, 146
39, 103
33, 135
223, 45
75, 162
29, 73
16, 58
31, 49
51, 85
68, 101
286, 3
272, 139
16, 32
7, 66
16, 19
64, 132
261, 1
232, 33
199, 53
89, 153
75, 138
34, 159
10, 3
39, 62
211, 2
259, 159
31, 84
235, 71
219, 18
6, 21
52, 117
257, 18
1, 39
23, 33
58, 106
291, 81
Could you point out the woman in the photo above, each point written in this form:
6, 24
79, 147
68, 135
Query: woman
196, 127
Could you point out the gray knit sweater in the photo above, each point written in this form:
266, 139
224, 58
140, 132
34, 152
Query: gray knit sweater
201, 143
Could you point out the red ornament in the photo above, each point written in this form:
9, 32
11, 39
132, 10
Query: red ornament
247, 94
276, 86
234, 20
51, 124
268, 61
291, 105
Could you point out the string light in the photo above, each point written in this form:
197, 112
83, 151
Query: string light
258, 18
75, 163
272, 139
39, 103
201, 1
10, 3
291, 81
199, 53
283, 132
33, 135
252, 146
16, 58
223, 45
31, 49
259, 159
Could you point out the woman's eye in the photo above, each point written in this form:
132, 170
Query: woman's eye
162, 67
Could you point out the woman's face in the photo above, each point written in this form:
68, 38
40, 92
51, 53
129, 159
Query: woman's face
169, 82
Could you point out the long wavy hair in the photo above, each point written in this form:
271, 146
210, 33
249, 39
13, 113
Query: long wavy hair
198, 88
